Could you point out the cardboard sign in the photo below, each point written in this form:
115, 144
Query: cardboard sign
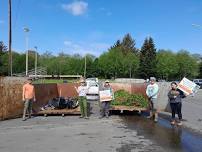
187, 86
105, 95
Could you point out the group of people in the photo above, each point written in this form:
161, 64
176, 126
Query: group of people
82, 90
174, 95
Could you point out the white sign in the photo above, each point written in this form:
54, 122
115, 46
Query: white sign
187, 86
105, 95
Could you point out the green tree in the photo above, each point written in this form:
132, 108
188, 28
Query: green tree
167, 65
128, 44
3, 48
147, 59
200, 70
188, 66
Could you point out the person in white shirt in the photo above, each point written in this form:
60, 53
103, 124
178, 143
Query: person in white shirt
152, 93
82, 90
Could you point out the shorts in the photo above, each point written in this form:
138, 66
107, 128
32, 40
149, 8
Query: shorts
154, 104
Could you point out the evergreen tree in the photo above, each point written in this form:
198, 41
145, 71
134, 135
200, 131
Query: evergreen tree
128, 44
116, 45
147, 59
3, 48
200, 70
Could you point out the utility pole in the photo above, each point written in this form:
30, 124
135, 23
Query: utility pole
85, 68
35, 61
10, 39
26, 30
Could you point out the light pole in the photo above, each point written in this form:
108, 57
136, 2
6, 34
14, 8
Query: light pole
26, 30
85, 68
35, 61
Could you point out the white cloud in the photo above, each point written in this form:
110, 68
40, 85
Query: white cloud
76, 8
83, 48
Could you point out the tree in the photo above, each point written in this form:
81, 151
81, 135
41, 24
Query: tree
200, 70
128, 44
167, 65
188, 66
3, 48
147, 59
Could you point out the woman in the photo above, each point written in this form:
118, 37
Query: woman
82, 91
105, 105
175, 97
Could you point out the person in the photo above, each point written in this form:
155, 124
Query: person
152, 93
82, 90
28, 96
175, 98
105, 105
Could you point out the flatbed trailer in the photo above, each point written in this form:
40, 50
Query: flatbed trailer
61, 112
127, 108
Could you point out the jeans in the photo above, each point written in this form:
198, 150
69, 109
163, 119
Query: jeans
27, 107
105, 105
176, 108
83, 106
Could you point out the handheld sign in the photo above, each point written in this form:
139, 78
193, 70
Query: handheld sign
105, 95
187, 86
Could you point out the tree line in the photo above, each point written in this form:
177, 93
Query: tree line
122, 60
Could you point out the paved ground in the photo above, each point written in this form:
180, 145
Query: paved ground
118, 133
192, 112
70, 134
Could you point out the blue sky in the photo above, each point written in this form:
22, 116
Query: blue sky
92, 26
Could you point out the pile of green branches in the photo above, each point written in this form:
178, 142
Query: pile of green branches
124, 98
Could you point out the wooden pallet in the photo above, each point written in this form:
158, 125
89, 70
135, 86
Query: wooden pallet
127, 108
62, 112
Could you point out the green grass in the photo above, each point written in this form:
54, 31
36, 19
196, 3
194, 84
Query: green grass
47, 81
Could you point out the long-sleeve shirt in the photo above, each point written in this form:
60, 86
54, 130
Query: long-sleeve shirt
82, 91
152, 90
175, 96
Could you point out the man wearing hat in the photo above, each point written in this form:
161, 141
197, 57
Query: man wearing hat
28, 96
152, 93
105, 105
82, 90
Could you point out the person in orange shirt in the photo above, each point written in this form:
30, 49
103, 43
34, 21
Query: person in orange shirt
28, 96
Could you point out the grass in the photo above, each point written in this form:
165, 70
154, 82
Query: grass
47, 81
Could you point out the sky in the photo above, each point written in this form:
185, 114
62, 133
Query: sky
92, 26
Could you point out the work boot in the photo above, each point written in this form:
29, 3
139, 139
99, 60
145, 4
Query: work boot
81, 116
150, 115
179, 123
155, 117
172, 122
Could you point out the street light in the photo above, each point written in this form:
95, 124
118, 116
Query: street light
35, 61
26, 30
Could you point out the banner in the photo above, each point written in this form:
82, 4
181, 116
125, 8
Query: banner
105, 95
187, 86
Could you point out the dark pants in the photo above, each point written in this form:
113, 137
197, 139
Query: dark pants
176, 108
105, 105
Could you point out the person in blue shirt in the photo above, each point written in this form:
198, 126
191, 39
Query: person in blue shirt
152, 93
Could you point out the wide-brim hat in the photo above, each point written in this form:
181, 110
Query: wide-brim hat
82, 81
106, 81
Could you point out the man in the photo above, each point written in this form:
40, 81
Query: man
82, 90
152, 93
105, 105
28, 96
